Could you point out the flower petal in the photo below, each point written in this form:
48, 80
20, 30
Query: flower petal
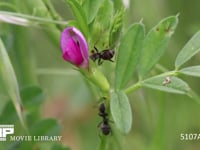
72, 53
74, 47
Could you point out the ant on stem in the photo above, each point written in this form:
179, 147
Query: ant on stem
106, 54
104, 125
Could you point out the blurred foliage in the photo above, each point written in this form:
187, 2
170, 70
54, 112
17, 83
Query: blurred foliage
59, 92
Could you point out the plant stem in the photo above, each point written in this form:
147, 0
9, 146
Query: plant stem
21, 56
161, 68
133, 88
53, 13
35, 20
102, 145
12, 7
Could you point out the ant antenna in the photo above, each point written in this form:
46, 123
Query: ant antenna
96, 49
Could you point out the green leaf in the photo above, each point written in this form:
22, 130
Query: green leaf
10, 81
121, 111
192, 71
175, 85
116, 28
128, 54
46, 127
194, 96
8, 115
190, 49
32, 97
105, 14
91, 8
101, 24
80, 16
155, 44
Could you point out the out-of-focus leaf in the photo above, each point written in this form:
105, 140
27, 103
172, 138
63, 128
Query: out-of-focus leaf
80, 16
32, 97
59, 147
46, 127
155, 44
105, 13
168, 84
191, 71
101, 24
190, 49
10, 81
121, 111
128, 54
117, 4
38, 8
91, 8
194, 96
8, 115
116, 28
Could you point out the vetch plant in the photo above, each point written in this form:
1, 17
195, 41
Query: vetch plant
137, 54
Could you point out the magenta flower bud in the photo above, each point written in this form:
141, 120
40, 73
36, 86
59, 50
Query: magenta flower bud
74, 47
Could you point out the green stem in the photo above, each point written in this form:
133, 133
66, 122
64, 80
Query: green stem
102, 145
158, 141
133, 87
40, 20
53, 13
8, 5
38, 8
161, 68
21, 56
98, 79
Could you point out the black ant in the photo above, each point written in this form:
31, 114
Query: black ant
104, 125
106, 54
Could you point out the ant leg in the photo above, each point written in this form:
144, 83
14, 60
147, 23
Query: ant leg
99, 124
111, 60
100, 61
96, 49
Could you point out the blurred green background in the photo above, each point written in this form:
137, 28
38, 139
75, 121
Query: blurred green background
158, 118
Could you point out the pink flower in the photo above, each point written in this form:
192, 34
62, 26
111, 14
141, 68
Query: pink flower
74, 47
